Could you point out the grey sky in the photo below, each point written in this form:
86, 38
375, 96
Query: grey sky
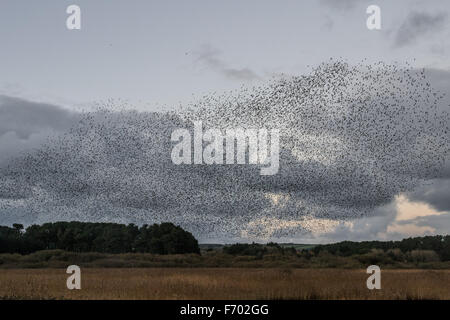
158, 54
419, 24
147, 51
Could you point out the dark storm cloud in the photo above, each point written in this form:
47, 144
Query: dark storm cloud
25, 124
211, 58
25, 117
417, 25
437, 194
352, 138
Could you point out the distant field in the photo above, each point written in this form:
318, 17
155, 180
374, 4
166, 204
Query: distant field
298, 246
226, 283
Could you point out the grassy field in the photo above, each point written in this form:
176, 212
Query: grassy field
226, 283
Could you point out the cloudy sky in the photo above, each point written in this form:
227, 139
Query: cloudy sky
160, 55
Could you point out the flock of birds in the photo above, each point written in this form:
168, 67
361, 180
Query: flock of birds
352, 138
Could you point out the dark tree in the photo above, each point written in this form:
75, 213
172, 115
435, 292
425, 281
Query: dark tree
98, 237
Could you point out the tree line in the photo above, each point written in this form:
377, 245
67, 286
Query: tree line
439, 244
164, 238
